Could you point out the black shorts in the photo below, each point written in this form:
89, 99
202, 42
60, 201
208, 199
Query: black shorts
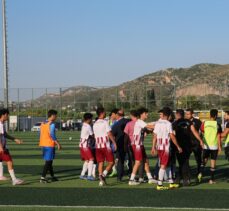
213, 154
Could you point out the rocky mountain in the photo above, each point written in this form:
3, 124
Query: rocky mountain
200, 80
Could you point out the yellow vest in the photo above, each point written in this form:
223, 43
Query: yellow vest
210, 134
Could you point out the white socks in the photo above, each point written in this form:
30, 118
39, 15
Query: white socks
149, 175
132, 177
161, 176
105, 173
90, 167
85, 167
1, 169
94, 171
170, 176
114, 169
12, 174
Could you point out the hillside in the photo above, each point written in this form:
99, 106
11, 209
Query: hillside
169, 84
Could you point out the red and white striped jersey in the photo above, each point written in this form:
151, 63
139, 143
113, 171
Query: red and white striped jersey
85, 133
101, 129
163, 129
138, 136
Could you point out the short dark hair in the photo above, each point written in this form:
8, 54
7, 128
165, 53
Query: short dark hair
166, 111
87, 116
114, 111
190, 110
4, 111
121, 113
181, 112
134, 113
214, 113
227, 112
100, 110
142, 110
52, 112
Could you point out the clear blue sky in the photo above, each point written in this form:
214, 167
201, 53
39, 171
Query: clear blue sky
56, 43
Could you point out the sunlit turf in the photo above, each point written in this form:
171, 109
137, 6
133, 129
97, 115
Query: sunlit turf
71, 191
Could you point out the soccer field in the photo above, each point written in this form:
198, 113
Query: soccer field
70, 193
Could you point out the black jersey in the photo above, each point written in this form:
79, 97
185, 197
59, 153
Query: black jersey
197, 124
182, 128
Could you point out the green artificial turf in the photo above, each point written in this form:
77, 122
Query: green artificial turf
71, 191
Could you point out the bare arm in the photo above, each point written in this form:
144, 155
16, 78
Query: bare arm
112, 138
174, 140
18, 141
1, 147
58, 145
154, 142
197, 135
225, 133
219, 142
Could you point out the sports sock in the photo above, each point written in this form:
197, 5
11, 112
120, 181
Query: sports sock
12, 174
170, 176
132, 177
212, 173
51, 168
149, 175
114, 169
1, 169
45, 169
105, 172
85, 168
90, 167
94, 170
161, 175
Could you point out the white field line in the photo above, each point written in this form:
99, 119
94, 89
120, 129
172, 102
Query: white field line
113, 207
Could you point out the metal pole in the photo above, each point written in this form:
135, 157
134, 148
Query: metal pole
18, 110
5, 56
46, 106
61, 109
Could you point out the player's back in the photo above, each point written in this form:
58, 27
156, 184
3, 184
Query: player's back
100, 128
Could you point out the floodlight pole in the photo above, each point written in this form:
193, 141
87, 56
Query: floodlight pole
5, 55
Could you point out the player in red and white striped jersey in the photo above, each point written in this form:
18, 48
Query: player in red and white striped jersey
103, 135
163, 133
138, 147
85, 150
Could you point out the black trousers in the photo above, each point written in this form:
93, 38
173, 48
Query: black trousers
48, 168
120, 155
197, 151
184, 168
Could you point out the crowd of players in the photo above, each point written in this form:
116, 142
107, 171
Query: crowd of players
120, 141
175, 136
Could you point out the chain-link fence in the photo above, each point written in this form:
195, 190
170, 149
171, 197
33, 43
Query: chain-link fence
31, 105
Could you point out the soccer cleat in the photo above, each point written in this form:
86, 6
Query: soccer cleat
174, 185
101, 183
90, 178
83, 177
102, 179
199, 177
3, 178
212, 182
54, 179
141, 180
43, 180
113, 174
152, 181
161, 187
133, 183
17, 182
